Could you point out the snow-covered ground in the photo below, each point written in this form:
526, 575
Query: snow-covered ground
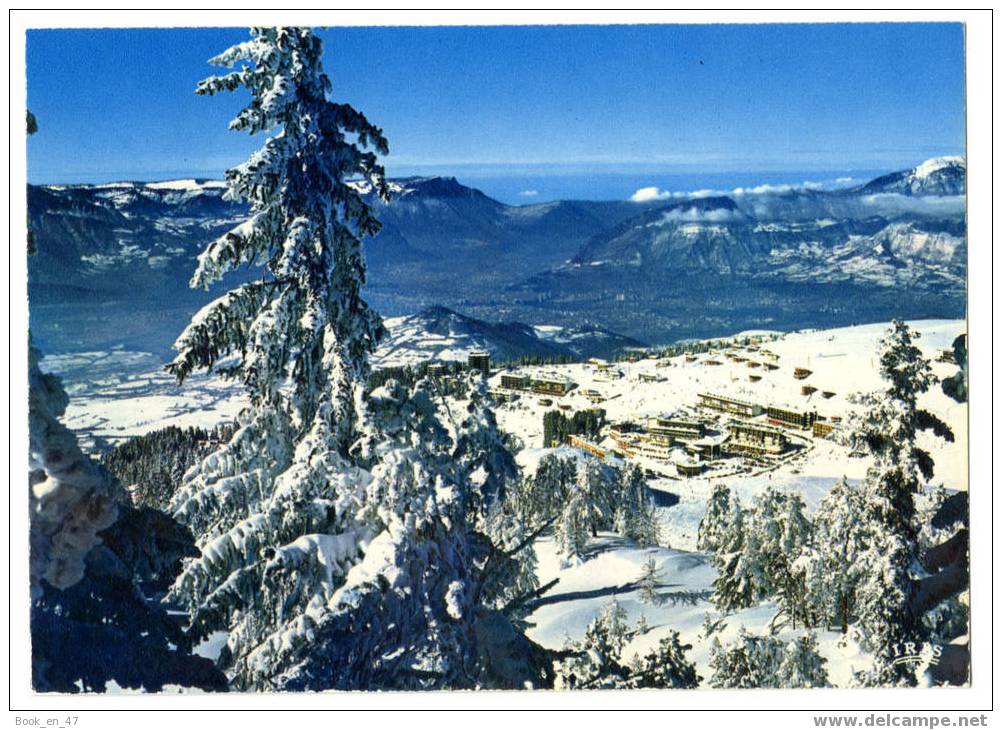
612, 572
119, 394
843, 361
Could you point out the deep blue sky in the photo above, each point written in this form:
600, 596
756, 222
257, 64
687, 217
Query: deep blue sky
482, 101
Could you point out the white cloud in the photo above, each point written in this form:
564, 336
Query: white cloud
529, 193
893, 203
696, 215
644, 194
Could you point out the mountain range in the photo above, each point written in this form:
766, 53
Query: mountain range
114, 259
438, 333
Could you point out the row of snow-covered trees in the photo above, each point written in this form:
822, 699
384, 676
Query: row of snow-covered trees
152, 465
868, 558
579, 497
557, 427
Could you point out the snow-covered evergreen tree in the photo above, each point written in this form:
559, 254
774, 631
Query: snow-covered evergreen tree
759, 552
836, 564
765, 661
90, 621
483, 451
636, 516
802, 665
741, 580
782, 540
596, 661
275, 509
589, 507
715, 525
541, 497
70, 498
342, 532
664, 667
649, 577
886, 425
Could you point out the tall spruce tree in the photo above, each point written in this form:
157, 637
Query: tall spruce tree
342, 531
297, 338
887, 426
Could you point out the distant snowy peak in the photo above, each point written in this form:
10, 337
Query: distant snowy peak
936, 164
936, 176
425, 187
439, 333
184, 185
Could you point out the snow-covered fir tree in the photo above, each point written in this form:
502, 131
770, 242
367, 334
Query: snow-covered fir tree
665, 666
782, 539
275, 509
759, 552
802, 665
764, 661
598, 661
649, 577
542, 495
420, 610
715, 525
741, 580
835, 565
589, 507
636, 516
886, 424
70, 498
342, 532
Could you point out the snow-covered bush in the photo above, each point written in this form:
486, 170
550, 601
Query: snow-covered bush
598, 661
765, 661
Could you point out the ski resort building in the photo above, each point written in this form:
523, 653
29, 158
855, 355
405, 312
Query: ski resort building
707, 449
481, 361
516, 382
504, 396
689, 468
749, 438
547, 386
791, 418
586, 445
632, 441
674, 428
822, 429
729, 405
